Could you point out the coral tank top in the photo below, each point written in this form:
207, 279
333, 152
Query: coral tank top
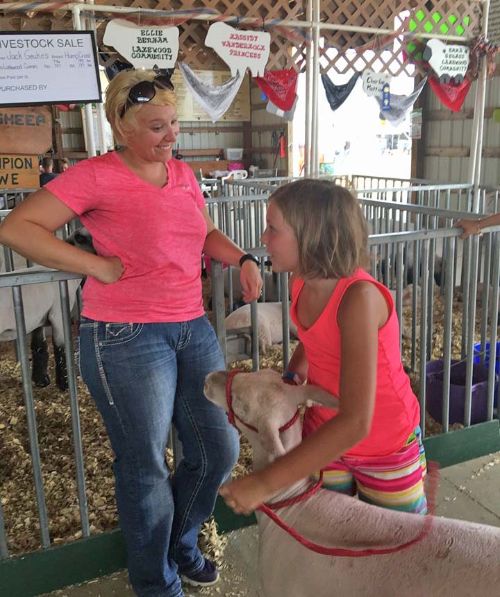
396, 412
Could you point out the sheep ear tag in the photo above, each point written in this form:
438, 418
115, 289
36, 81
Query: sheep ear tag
269, 435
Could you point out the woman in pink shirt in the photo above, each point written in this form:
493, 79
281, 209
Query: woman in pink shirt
145, 342
349, 346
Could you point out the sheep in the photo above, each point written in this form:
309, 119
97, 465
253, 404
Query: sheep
408, 272
42, 303
18, 261
271, 285
269, 323
455, 558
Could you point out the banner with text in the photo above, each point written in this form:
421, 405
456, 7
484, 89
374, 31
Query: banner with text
144, 47
41, 67
25, 130
19, 172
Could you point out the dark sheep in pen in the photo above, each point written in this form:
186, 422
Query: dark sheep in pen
42, 305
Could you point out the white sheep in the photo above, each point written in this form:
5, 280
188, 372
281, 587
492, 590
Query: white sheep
455, 558
269, 323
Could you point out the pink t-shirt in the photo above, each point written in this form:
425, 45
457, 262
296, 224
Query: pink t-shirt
158, 233
397, 412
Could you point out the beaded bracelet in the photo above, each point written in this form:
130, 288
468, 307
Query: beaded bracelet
289, 376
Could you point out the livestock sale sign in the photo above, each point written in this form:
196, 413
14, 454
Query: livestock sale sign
240, 49
25, 130
142, 46
19, 172
48, 68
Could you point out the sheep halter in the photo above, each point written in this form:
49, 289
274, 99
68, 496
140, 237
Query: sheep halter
233, 417
268, 509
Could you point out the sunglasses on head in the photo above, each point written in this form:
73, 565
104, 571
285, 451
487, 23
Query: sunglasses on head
144, 91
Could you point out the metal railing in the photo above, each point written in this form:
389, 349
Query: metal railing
406, 236
16, 281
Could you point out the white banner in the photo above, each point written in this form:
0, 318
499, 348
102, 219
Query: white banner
48, 68
374, 83
240, 49
143, 46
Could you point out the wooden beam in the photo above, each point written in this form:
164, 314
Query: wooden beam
269, 127
460, 152
212, 129
262, 150
200, 152
491, 152
247, 142
447, 152
462, 115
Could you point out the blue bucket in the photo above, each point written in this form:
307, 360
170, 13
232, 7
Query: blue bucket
477, 355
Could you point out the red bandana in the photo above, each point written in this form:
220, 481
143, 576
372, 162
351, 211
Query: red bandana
452, 96
280, 86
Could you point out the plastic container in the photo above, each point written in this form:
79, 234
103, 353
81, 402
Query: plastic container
477, 355
434, 391
234, 154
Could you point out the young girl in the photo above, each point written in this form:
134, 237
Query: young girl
349, 345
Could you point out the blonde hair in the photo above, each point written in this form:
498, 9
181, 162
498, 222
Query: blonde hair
330, 228
122, 118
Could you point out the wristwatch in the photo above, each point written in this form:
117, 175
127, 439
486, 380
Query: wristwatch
247, 257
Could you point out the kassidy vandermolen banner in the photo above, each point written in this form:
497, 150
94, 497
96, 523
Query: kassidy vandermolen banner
25, 130
40, 67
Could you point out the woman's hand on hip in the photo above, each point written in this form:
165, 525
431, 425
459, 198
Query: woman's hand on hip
107, 270
251, 281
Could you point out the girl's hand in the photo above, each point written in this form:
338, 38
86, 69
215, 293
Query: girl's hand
244, 495
251, 281
469, 227
108, 270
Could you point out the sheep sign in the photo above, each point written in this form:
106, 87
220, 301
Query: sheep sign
448, 62
240, 49
143, 46
374, 83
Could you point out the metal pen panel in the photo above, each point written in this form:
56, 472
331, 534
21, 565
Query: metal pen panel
22, 348
449, 277
4, 551
75, 414
494, 314
285, 317
470, 325
254, 315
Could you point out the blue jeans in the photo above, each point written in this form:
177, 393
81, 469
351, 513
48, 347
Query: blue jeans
143, 377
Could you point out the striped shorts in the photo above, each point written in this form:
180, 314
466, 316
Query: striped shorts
394, 481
